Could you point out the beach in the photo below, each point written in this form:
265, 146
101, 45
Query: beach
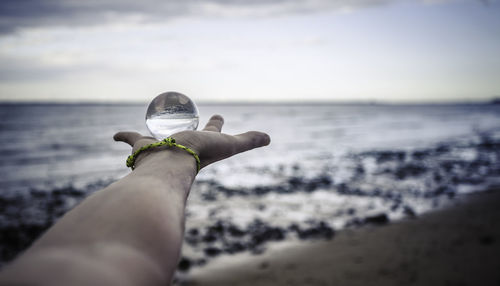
458, 245
330, 170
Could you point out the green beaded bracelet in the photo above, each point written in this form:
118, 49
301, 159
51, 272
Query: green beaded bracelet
169, 141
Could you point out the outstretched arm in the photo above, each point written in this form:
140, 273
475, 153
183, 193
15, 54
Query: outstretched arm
129, 233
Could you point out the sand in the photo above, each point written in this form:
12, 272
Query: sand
459, 245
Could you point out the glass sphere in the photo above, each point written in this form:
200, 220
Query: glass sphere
169, 113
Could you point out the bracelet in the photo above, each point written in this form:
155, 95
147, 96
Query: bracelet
169, 141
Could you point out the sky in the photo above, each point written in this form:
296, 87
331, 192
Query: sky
261, 50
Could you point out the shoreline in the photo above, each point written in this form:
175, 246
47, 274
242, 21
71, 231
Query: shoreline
458, 245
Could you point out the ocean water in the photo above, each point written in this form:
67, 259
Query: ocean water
328, 167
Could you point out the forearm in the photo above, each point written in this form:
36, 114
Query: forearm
131, 232
133, 227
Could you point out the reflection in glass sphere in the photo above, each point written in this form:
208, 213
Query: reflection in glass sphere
169, 113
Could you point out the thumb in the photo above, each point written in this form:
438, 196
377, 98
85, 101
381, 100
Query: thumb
250, 140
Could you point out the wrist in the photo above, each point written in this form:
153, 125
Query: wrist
169, 164
170, 142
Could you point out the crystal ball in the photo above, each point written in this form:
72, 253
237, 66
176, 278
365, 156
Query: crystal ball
169, 113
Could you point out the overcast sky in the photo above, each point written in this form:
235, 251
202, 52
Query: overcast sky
261, 50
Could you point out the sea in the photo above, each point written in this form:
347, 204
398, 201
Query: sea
328, 167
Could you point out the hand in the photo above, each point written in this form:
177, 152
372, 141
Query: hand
210, 144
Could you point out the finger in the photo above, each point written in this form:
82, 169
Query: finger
127, 137
214, 124
250, 140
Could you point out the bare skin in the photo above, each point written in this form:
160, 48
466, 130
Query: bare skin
129, 233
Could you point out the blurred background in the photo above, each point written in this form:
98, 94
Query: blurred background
378, 110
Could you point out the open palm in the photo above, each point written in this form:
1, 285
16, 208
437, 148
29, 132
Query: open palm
210, 144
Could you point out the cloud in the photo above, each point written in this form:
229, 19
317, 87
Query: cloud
18, 14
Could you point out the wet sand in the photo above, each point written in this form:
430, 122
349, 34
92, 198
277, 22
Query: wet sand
459, 245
